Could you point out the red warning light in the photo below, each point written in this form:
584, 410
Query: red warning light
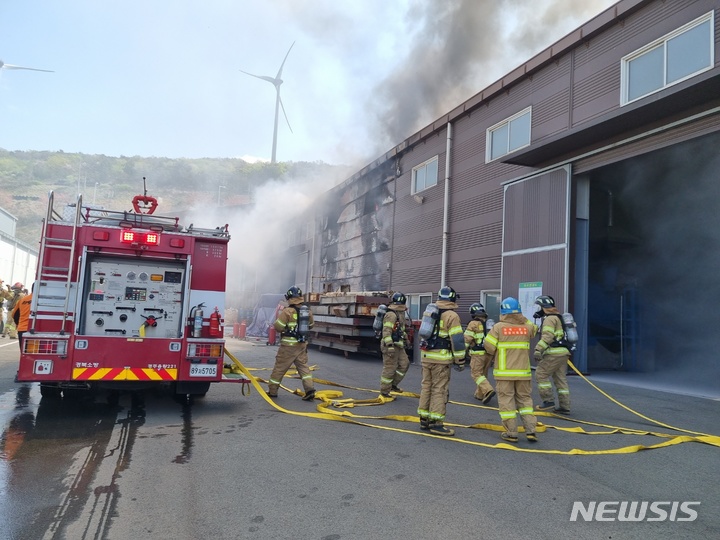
134, 237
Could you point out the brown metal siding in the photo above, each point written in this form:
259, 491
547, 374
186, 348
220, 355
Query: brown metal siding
417, 243
535, 212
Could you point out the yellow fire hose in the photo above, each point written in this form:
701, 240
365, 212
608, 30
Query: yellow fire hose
330, 400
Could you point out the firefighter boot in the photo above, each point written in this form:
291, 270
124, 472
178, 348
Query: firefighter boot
545, 406
309, 395
437, 428
272, 390
424, 423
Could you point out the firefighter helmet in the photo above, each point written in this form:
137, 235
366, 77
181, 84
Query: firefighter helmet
448, 293
545, 301
293, 292
477, 309
398, 298
509, 305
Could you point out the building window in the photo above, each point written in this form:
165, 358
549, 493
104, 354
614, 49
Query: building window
687, 51
509, 135
418, 303
425, 175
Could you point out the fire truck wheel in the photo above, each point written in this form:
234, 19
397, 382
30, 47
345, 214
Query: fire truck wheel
50, 391
113, 398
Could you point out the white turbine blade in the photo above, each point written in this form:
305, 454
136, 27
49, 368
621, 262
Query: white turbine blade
10, 66
283, 110
283, 62
263, 77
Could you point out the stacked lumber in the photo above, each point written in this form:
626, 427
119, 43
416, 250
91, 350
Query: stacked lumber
343, 320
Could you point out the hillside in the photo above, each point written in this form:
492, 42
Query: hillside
112, 182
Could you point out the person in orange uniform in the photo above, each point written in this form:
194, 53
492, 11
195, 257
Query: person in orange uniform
509, 342
21, 316
444, 348
293, 347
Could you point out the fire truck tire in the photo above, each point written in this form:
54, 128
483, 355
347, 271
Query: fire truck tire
50, 391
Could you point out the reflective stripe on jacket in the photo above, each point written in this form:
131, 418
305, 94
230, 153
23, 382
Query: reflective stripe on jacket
552, 331
509, 342
287, 322
474, 335
392, 317
450, 328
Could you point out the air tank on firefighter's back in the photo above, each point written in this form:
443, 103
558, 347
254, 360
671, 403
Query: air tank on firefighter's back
303, 321
378, 321
488, 325
427, 325
570, 328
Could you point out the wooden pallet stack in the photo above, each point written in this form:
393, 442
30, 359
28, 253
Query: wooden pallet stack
343, 320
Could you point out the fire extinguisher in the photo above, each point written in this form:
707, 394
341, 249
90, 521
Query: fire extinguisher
215, 330
196, 320
242, 330
271, 335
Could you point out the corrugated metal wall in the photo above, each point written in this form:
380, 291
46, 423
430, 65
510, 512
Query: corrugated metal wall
536, 234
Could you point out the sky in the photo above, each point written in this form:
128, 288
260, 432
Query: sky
163, 77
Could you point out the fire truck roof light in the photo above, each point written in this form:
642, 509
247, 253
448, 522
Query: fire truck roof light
136, 237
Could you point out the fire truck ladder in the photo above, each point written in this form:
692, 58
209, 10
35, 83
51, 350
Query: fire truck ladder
56, 273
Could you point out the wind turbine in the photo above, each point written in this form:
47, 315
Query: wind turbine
3, 65
276, 82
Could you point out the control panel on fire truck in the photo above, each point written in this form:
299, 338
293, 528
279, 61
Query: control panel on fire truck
123, 296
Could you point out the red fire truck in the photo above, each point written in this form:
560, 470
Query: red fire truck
125, 300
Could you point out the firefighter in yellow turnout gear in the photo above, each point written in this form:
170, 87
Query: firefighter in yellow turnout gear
5, 294
479, 361
293, 347
15, 295
509, 342
552, 357
392, 346
444, 348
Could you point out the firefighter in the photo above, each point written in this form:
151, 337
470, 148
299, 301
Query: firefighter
293, 346
16, 293
392, 346
444, 348
21, 316
509, 343
5, 294
552, 356
479, 361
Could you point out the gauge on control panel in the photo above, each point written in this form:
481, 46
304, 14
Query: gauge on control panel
130, 275
143, 276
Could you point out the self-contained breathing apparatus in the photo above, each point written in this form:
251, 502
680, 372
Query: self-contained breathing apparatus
378, 321
430, 327
300, 330
570, 333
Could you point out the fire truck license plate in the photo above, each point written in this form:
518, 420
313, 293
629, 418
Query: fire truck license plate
203, 370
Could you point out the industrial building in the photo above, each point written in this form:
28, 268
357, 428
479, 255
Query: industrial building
589, 173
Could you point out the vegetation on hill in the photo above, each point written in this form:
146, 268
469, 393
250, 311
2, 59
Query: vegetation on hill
26, 178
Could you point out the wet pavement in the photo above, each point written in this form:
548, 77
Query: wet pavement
232, 466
